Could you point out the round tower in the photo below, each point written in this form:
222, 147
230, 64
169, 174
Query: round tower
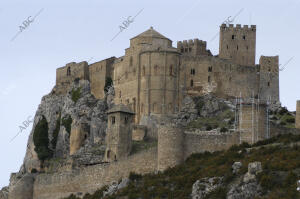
21, 188
170, 146
297, 124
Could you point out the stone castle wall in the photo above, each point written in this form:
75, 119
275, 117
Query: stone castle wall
199, 141
89, 179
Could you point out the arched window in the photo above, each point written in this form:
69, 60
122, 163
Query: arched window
131, 61
69, 71
192, 83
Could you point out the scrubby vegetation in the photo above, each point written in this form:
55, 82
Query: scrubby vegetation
281, 170
75, 94
67, 122
41, 140
223, 120
283, 117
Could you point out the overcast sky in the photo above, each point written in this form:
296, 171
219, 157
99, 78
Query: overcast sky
81, 30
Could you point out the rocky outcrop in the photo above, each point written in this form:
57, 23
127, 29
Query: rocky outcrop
4, 193
204, 186
115, 187
236, 167
248, 186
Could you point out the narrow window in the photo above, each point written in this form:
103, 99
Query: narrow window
131, 61
126, 119
190, 49
69, 71
208, 79
247, 47
268, 84
126, 75
232, 36
182, 50
113, 120
227, 47
244, 37
171, 70
192, 83
210, 69
193, 71
237, 47
144, 71
120, 94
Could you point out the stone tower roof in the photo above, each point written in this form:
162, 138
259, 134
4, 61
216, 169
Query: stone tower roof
151, 33
120, 108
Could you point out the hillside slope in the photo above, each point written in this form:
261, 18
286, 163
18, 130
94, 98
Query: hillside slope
213, 176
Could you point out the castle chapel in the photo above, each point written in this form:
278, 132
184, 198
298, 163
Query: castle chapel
154, 77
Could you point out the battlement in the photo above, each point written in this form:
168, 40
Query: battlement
237, 27
190, 43
194, 47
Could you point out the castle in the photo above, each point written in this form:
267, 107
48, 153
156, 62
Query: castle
154, 77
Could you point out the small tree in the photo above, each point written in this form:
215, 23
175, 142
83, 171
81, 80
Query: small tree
41, 140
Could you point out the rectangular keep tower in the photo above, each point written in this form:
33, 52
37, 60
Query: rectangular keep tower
238, 44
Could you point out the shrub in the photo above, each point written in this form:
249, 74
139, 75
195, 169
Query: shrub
75, 94
224, 129
41, 140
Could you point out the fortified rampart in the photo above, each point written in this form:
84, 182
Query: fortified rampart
88, 179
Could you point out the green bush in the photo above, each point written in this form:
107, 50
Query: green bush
75, 94
41, 140
67, 122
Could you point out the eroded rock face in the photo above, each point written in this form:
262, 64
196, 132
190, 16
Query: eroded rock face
248, 187
4, 193
204, 186
87, 111
114, 187
236, 167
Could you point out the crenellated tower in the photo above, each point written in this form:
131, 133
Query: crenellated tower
238, 44
193, 47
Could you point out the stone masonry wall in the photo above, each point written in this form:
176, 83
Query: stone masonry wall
199, 141
89, 179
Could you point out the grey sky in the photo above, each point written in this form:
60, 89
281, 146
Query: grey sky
79, 30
